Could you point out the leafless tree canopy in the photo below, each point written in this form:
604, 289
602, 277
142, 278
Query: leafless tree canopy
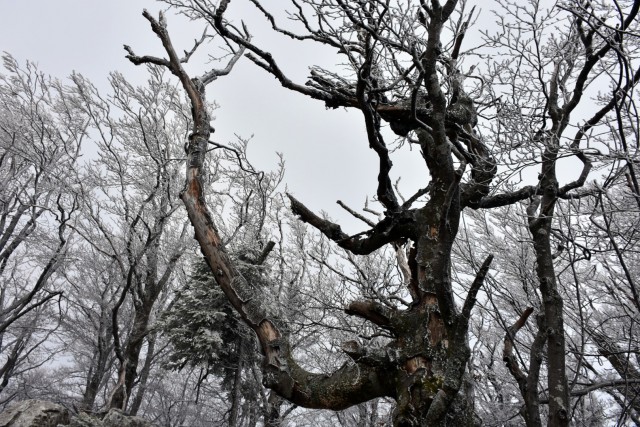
501, 291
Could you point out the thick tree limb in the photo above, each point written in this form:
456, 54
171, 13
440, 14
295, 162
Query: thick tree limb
528, 384
470, 300
386, 231
351, 384
507, 354
459, 351
385, 192
373, 312
504, 199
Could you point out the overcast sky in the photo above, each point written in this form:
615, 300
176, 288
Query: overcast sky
326, 151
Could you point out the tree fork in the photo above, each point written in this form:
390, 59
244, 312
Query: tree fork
282, 374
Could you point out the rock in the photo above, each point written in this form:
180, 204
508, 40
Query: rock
34, 413
117, 418
38, 413
85, 420
113, 418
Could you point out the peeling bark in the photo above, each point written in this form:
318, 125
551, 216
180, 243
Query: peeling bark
424, 366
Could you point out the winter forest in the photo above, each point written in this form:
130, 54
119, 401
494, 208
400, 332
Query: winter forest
485, 273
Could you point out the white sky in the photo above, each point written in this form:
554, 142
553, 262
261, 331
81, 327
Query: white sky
326, 151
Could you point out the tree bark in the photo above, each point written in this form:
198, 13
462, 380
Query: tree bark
540, 218
423, 368
98, 368
236, 392
144, 374
127, 371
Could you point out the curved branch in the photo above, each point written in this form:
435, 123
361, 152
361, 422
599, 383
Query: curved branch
349, 385
504, 199
385, 192
528, 384
372, 311
386, 231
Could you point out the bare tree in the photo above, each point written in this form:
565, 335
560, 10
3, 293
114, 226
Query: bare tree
407, 69
130, 219
87, 325
41, 132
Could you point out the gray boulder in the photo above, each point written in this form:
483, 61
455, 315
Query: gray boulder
113, 418
39, 413
117, 418
34, 413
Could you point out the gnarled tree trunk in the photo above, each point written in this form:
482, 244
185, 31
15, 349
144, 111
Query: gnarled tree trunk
423, 368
